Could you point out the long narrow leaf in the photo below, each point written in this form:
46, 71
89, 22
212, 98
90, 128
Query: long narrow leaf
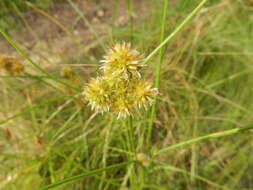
91, 173
206, 137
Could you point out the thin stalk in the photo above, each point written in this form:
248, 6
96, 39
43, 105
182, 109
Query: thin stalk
158, 72
178, 29
91, 173
131, 148
182, 171
205, 138
105, 149
131, 134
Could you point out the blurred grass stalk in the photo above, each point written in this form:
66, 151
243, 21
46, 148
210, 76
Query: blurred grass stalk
91, 173
204, 138
160, 48
130, 127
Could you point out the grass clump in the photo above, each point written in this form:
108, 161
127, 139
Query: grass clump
198, 136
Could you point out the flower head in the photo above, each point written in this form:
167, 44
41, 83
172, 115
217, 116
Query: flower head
121, 61
67, 73
120, 89
11, 65
122, 107
97, 93
143, 93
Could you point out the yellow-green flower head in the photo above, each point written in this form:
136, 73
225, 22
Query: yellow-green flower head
97, 94
120, 89
122, 107
11, 65
67, 73
121, 61
143, 94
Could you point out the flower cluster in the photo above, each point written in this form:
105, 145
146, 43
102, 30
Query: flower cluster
11, 65
120, 89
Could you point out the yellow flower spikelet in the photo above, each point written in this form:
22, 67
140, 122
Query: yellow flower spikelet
97, 93
120, 89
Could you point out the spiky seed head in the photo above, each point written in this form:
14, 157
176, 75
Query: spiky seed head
97, 94
120, 88
122, 107
121, 61
143, 93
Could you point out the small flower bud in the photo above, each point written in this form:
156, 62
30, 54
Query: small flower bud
67, 73
143, 159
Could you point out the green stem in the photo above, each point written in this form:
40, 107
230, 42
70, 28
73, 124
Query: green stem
131, 134
91, 173
131, 148
206, 137
158, 73
178, 29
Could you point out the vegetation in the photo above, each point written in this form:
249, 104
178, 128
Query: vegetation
196, 135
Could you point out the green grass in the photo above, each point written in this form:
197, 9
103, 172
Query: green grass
197, 135
10, 11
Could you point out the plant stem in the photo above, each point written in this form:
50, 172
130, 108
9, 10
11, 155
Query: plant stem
158, 73
131, 148
206, 137
131, 134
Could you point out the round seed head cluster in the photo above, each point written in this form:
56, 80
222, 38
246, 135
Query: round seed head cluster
120, 89
97, 93
121, 61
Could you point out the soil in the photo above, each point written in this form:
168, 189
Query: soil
55, 35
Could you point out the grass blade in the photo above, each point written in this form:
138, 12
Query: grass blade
206, 137
158, 73
91, 173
